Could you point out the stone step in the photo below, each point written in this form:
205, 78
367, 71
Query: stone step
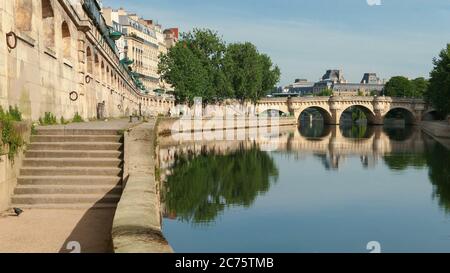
72, 154
75, 138
76, 132
64, 189
62, 171
26, 207
32, 199
69, 180
71, 162
75, 146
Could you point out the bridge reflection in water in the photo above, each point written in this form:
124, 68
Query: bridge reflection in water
201, 179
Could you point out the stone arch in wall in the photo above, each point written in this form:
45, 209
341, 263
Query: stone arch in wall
24, 14
66, 40
97, 71
89, 60
102, 71
48, 24
107, 75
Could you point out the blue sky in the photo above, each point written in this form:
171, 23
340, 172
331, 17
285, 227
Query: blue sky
306, 37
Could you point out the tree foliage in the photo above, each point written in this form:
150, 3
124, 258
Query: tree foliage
325, 93
438, 92
400, 87
203, 65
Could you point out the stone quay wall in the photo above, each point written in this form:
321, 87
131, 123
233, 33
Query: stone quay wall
137, 222
55, 58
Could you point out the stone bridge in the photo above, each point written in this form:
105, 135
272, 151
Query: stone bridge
331, 108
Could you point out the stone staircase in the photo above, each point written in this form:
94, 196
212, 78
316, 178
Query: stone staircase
71, 168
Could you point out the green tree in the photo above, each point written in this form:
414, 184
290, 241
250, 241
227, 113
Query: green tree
202, 65
181, 68
193, 67
271, 75
399, 87
420, 87
439, 87
244, 70
325, 93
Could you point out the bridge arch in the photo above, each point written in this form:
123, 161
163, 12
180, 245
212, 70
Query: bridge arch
368, 113
397, 111
431, 114
326, 115
273, 113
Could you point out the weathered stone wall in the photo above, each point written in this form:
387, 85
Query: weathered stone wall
137, 222
9, 169
59, 50
173, 125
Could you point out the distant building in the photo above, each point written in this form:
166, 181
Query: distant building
142, 42
300, 87
334, 75
334, 80
370, 84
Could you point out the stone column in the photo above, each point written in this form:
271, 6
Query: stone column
379, 104
81, 66
335, 109
419, 109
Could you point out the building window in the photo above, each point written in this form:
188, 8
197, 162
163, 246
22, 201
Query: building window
66, 40
24, 14
48, 24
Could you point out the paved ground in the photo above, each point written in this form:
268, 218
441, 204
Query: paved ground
49, 231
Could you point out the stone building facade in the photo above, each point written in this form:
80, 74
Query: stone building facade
57, 57
143, 41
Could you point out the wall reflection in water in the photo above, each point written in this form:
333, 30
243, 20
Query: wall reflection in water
200, 180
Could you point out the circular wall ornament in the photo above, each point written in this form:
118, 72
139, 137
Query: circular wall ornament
73, 96
11, 40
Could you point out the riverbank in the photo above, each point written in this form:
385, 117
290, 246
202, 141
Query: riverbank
439, 130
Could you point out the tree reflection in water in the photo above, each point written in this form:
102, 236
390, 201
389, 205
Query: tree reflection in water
202, 186
434, 156
438, 158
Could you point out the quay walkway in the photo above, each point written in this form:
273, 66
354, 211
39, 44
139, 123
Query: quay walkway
68, 189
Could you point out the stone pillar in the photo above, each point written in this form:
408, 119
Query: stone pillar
335, 110
379, 104
419, 109
81, 66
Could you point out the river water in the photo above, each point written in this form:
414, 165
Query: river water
323, 189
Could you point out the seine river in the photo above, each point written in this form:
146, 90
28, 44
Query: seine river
322, 189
